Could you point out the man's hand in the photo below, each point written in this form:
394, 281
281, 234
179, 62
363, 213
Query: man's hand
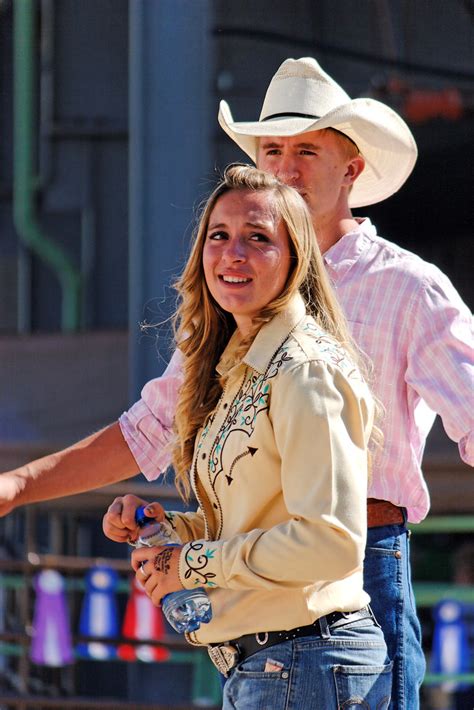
156, 568
119, 523
11, 486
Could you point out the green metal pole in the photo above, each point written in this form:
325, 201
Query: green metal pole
444, 524
428, 594
24, 179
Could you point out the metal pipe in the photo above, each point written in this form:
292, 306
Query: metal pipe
24, 182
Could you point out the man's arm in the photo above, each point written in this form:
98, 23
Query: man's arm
93, 462
105, 457
440, 365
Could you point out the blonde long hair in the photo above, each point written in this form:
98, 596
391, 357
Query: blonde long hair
203, 329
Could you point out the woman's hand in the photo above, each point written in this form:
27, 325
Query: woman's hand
119, 523
156, 568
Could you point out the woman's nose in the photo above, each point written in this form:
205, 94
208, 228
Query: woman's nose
235, 250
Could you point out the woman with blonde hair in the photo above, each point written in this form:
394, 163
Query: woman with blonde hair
272, 431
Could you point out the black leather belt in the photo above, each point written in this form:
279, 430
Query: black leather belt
226, 655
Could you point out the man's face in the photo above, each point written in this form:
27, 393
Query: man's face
316, 163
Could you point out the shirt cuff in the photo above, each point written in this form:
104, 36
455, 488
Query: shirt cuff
150, 448
200, 565
466, 448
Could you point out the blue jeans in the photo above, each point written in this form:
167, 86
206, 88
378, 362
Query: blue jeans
349, 669
387, 579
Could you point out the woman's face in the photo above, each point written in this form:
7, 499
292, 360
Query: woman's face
246, 256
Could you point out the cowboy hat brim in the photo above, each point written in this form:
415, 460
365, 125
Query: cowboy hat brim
382, 136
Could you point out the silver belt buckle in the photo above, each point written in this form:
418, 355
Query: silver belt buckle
224, 657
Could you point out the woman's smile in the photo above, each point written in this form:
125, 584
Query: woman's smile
234, 279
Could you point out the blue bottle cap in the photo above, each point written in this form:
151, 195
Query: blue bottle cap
140, 518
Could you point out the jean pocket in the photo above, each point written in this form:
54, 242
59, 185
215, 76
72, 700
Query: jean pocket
368, 687
251, 686
272, 663
383, 552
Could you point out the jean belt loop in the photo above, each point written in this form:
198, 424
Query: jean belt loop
324, 627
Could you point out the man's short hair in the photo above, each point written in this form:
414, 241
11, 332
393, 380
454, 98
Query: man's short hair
350, 148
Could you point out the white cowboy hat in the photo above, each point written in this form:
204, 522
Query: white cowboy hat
301, 97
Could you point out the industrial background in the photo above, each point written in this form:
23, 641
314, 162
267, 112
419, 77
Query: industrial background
108, 142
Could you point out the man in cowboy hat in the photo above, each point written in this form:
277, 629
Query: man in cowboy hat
404, 313
342, 153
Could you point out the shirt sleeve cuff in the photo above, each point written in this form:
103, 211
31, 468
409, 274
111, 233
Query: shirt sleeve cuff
200, 565
150, 449
147, 426
466, 448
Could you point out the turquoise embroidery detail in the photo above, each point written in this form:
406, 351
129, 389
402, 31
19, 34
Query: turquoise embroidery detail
251, 400
332, 351
198, 566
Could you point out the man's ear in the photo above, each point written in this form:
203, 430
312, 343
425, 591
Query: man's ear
354, 168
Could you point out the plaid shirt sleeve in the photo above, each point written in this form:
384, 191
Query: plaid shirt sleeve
441, 359
147, 425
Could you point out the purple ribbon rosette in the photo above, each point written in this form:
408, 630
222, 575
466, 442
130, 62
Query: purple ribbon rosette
52, 642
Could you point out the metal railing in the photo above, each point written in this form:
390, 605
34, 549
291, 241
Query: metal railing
14, 574
17, 576
428, 594
62, 518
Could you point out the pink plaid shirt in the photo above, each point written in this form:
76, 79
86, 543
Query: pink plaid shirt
408, 318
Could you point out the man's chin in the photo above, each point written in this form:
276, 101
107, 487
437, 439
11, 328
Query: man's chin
307, 198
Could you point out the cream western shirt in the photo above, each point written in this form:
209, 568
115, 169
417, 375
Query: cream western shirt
280, 474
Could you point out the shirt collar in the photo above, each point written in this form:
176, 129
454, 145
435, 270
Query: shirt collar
272, 335
226, 362
268, 339
347, 250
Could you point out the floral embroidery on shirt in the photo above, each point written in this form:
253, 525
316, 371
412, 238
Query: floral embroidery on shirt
197, 564
332, 350
251, 400
205, 430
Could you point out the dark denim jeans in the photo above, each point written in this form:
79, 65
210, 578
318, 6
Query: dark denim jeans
349, 669
387, 578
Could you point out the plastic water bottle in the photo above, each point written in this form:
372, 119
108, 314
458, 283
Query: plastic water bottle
187, 609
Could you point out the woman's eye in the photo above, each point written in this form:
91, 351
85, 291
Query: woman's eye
217, 236
258, 237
